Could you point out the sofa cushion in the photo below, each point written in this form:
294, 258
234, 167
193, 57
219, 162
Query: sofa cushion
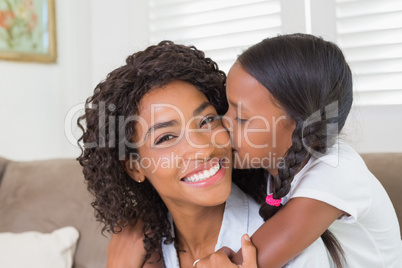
49, 194
39, 250
387, 167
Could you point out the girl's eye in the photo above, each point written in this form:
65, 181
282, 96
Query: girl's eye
240, 120
211, 120
164, 138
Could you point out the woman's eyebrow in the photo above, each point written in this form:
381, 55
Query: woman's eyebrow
159, 126
201, 108
172, 123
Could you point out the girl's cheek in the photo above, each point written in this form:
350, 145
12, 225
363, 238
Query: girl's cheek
234, 134
234, 140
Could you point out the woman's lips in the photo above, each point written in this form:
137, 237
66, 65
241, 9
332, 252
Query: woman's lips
203, 174
206, 177
201, 168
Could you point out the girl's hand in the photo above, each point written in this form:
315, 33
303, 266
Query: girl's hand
222, 257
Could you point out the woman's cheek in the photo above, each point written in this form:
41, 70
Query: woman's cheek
221, 138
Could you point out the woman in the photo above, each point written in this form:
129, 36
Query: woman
155, 151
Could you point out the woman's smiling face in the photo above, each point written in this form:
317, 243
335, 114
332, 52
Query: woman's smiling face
183, 149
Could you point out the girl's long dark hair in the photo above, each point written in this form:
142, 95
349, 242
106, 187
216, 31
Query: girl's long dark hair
119, 199
310, 79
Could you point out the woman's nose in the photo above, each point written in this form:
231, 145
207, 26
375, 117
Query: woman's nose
197, 145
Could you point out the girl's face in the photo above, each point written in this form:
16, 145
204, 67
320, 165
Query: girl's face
260, 130
184, 150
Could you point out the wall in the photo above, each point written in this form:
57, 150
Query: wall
93, 38
375, 128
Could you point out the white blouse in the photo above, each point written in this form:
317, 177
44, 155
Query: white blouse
240, 217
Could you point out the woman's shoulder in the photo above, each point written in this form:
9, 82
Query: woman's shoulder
240, 217
243, 206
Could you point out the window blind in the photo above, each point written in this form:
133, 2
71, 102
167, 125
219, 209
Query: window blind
221, 28
368, 31
370, 34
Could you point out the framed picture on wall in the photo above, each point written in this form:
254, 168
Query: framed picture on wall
28, 30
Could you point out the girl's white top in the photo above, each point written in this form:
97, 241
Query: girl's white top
369, 229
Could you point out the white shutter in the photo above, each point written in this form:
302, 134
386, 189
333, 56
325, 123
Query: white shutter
368, 31
221, 28
370, 34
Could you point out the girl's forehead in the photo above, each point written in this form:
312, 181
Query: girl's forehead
243, 90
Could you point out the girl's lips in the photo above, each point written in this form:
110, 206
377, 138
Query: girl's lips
218, 176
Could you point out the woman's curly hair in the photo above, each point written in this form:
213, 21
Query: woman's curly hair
107, 135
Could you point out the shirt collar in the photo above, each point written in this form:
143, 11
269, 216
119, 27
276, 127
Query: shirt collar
235, 220
234, 225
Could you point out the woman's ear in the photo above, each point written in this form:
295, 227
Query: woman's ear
131, 166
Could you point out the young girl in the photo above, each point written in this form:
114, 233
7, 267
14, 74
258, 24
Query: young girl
155, 151
296, 90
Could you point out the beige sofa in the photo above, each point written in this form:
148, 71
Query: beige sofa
49, 194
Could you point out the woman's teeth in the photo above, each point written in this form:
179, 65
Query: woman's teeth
203, 175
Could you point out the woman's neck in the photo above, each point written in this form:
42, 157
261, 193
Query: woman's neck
196, 231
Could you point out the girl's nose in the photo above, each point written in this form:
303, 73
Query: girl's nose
227, 123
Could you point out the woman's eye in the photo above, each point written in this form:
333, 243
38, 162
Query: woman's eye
211, 120
164, 138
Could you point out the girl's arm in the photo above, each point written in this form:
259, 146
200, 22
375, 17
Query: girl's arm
126, 249
290, 231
